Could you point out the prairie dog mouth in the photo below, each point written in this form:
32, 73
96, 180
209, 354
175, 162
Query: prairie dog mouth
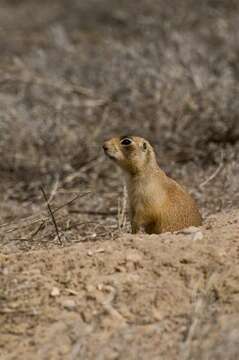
112, 157
107, 153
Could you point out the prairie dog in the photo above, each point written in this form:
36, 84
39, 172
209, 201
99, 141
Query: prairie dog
157, 203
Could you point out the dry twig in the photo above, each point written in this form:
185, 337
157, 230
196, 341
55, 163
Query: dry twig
122, 207
51, 214
54, 189
215, 173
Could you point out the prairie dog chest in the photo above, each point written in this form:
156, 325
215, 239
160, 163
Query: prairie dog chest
144, 193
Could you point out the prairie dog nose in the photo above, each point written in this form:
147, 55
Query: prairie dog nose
105, 147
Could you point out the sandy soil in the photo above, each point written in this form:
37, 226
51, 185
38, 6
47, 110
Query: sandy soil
170, 296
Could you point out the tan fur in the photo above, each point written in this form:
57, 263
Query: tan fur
157, 203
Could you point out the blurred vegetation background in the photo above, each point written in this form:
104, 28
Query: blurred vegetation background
73, 73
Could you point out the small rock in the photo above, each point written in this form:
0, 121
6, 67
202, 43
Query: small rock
188, 231
55, 292
91, 253
120, 268
5, 271
69, 304
90, 288
100, 287
72, 292
35, 312
198, 236
100, 250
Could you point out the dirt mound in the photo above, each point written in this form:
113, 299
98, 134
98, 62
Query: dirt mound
81, 71
134, 297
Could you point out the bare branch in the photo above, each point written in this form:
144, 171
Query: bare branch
215, 173
52, 215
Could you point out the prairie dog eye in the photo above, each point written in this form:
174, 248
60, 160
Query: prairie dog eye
126, 142
144, 146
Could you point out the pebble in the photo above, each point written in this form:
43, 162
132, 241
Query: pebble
55, 292
69, 304
198, 236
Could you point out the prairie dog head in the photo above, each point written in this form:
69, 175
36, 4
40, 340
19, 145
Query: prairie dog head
133, 154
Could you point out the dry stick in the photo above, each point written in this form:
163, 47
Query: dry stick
52, 215
70, 201
214, 174
90, 164
122, 205
34, 233
54, 189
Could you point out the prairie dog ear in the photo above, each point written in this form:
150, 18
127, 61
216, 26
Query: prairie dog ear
144, 146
